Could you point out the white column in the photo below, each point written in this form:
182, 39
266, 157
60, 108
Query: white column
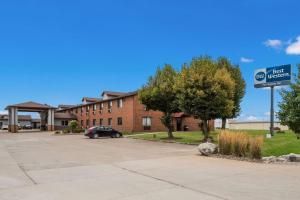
52, 117
16, 116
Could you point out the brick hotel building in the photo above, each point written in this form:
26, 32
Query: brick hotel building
124, 112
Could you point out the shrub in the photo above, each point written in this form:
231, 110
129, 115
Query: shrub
73, 125
225, 142
256, 147
78, 130
240, 144
66, 130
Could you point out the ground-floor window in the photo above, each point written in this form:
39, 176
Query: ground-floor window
109, 121
87, 123
101, 122
81, 122
146, 121
94, 122
120, 121
64, 122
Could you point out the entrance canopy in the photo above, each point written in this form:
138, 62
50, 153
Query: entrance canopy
46, 113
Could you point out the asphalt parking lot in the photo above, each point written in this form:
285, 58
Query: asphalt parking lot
43, 166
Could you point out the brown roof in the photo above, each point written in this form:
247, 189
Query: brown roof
24, 117
111, 93
20, 117
64, 116
102, 100
30, 105
62, 106
91, 99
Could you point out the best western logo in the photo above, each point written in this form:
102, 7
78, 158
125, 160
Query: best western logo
260, 76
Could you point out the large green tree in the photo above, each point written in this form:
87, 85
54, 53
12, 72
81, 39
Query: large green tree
289, 108
239, 88
160, 94
205, 91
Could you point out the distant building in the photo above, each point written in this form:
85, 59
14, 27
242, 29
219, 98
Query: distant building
254, 125
124, 112
23, 120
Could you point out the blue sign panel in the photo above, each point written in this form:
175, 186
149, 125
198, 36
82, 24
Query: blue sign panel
273, 76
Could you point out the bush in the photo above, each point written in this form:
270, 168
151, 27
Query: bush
225, 143
78, 130
240, 144
255, 147
73, 125
66, 130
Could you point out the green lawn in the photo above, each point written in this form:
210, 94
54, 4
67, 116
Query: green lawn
280, 144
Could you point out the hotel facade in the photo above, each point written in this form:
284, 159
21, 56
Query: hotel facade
124, 112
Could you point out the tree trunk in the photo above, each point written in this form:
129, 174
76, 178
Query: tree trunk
170, 133
205, 129
223, 123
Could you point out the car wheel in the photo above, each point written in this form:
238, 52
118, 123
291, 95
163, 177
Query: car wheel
117, 135
95, 135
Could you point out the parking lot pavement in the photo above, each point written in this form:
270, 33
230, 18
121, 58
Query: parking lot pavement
43, 166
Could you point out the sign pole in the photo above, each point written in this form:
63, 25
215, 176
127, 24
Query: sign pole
272, 112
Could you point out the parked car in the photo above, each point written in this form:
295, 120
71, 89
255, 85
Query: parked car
102, 131
27, 126
4, 127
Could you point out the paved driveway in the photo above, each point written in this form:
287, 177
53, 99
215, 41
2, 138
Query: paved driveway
42, 166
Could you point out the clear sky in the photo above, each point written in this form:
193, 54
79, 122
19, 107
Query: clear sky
57, 51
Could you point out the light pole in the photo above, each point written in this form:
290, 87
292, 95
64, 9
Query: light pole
272, 112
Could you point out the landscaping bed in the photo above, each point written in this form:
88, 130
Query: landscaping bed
280, 144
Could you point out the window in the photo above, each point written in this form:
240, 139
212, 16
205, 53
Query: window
64, 122
146, 123
87, 108
146, 108
120, 121
101, 122
109, 106
94, 107
109, 121
76, 110
87, 123
120, 103
101, 108
81, 122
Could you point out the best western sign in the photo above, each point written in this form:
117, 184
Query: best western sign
272, 76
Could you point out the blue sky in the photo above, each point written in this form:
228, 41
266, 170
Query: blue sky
59, 51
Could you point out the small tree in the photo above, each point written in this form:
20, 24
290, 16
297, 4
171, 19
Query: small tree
73, 125
239, 88
160, 94
289, 113
205, 91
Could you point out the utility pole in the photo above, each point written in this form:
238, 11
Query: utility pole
272, 112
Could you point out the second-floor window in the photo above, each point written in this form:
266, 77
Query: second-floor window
94, 107
109, 106
120, 103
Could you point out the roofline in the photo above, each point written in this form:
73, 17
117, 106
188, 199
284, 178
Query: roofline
101, 101
245, 122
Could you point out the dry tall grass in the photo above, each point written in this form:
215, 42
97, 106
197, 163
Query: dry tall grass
256, 146
240, 144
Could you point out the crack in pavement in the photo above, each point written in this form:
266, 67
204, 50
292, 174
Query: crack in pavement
170, 182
